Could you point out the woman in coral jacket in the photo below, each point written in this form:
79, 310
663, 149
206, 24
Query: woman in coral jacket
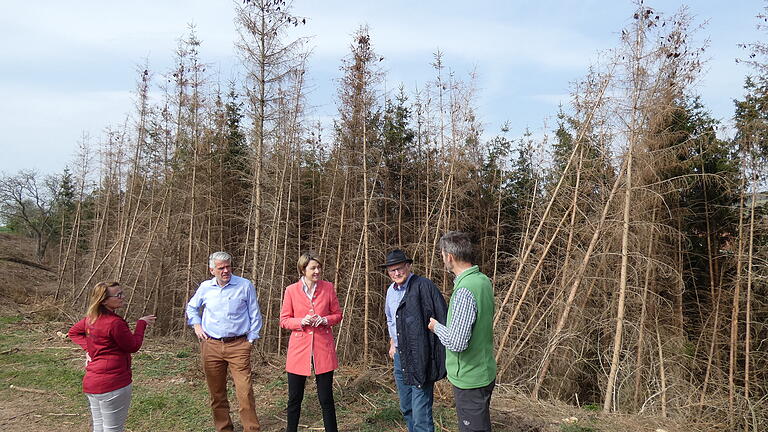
108, 343
310, 308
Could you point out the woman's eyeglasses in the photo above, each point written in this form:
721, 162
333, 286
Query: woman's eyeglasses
118, 295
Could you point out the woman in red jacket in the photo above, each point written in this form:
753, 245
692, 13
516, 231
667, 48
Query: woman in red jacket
108, 343
310, 308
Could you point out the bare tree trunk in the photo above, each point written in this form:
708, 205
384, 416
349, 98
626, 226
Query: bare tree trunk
342, 210
498, 235
662, 372
735, 305
324, 236
366, 248
715, 294
191, 225
608, 399
643, 312
748, 303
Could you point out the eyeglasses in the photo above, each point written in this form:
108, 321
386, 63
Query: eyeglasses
118, 295
395, 270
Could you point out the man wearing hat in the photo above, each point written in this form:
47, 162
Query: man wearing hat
418, 354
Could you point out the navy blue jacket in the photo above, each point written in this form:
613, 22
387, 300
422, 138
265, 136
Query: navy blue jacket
421, 353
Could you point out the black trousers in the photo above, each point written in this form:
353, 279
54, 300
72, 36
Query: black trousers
324, 395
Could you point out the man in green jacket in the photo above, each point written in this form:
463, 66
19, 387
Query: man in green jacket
468, 334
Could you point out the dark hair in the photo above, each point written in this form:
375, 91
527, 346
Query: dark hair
459, 245
304, 261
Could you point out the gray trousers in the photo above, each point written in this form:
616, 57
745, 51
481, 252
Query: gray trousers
473, 408
109, 410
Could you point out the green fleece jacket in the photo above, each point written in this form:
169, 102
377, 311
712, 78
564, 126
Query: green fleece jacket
474, 367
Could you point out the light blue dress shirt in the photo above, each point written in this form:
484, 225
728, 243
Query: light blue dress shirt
231, 310
395, 295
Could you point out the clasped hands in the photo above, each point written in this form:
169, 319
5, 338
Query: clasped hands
314, 320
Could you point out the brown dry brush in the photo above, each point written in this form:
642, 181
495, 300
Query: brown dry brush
609, 334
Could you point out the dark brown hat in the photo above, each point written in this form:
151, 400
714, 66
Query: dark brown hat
396, 257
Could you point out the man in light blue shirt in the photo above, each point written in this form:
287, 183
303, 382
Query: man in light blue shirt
419, 358
395, 294
230, 323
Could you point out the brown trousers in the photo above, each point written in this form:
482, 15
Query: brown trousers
217, 357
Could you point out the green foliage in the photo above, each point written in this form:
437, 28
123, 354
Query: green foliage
279, 382
704, 202
10, 320
520, 183
65, 197
689, 350
496, 176
51, 368
385, 416
577, 428
401, 176
752, 117
397, 142
158, 366
591, 407
172, 408
594, 162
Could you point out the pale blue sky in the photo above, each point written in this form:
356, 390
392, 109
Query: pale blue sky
69, 67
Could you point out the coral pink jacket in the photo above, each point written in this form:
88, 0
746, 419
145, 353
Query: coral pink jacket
309, 342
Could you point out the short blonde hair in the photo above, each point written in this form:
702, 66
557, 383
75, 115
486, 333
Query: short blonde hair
98, 296
304, 260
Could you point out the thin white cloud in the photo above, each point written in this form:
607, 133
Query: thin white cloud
503, 41
52, 123
61, 30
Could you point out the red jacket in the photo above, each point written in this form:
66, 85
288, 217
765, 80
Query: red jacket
308, 341
109, 342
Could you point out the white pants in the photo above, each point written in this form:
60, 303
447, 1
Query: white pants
109, 410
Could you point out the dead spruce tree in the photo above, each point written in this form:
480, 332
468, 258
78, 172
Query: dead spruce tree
274, 91
612, 230
359, 160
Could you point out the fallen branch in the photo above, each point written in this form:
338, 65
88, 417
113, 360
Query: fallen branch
18, 415
22, 261
28, 390
368, 400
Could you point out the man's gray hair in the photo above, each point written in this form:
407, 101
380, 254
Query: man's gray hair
218, 256
459, 245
